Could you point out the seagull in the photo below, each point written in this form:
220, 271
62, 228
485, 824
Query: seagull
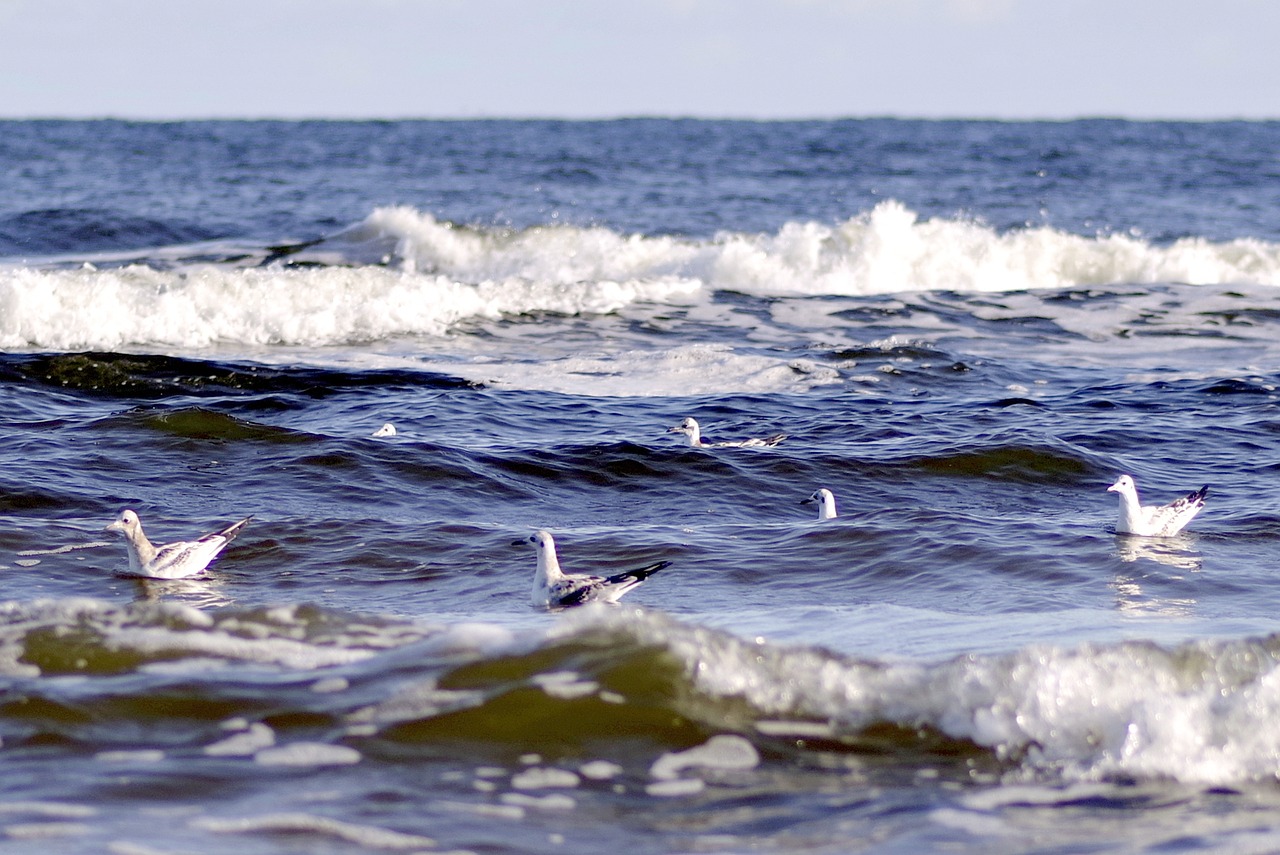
552, 588
387, 429
1154, 520
826, 503
689, 427
174, 560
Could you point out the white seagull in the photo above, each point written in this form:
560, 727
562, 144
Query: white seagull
174, 560
689, 427
826, 501
552, 588
387, 429
1154, 520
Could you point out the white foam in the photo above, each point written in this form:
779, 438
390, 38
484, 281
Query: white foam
676, 787
255, 738
725, 751
45, 830
543, 778
1198, 712
600, 770
369, 836
405, 274
130, 757
208, 306
307, 754
58, 810
687, 370
886, 250
555, 801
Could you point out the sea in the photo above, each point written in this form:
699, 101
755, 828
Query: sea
967, 331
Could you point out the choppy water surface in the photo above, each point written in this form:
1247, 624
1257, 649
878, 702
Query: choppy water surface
967, 330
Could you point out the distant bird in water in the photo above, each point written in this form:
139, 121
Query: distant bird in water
689, 427
387, 429
553, 588
826, 501
174, 560
1154, 520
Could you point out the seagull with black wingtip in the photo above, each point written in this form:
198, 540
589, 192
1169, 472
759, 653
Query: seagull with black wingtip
553, 588
1154, 520
173, 560
690, 428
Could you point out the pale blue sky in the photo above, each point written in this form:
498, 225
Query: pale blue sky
157, 59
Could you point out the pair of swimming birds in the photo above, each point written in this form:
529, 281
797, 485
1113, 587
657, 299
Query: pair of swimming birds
1135, 518
552, 587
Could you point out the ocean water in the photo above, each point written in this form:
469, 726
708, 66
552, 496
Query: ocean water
966, 329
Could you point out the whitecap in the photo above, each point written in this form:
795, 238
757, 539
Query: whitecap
307, 754
369, 836
721, 752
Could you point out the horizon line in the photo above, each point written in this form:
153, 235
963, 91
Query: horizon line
638, 116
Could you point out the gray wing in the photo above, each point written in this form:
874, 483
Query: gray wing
188, 557
1172, 518
185, 558
575, 590
583, 589
766, 442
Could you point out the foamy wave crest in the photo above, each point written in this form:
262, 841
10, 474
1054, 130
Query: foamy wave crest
1202, 712
692, 370
403, 273
200, 307
886, 250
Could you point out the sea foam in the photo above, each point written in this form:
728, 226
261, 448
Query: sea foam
1199, 712
402, 273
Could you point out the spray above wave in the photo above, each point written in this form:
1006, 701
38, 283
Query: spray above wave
403, 273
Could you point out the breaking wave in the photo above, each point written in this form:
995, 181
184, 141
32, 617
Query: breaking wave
642, 689
402, 273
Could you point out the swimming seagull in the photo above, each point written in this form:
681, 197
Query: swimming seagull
387, 429
826, 503
174, 560
689, 427
1154, 520
552, 588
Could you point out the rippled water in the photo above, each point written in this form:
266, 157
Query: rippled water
967, 330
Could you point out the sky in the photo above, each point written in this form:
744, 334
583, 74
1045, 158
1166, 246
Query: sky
755, 59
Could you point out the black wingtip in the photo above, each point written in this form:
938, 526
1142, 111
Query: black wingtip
642, 573
231, 531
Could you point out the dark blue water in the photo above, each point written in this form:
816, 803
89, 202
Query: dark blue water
966, 329
85, 187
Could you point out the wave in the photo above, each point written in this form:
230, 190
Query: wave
403, 273
887, 250
143, 376
642, 691
1198, 712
